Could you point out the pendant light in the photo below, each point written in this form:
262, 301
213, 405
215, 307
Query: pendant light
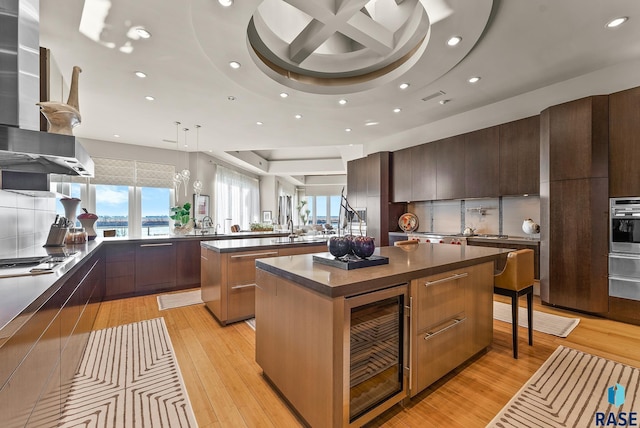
185, 174
197, 185
177, 178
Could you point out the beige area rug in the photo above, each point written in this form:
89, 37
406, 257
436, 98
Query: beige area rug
251, 322
177, 300
129, 377
542, 322
569, 390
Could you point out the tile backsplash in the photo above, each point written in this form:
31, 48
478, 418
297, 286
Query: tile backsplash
487, 216
25, 223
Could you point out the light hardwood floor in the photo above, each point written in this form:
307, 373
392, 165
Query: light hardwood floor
227, 389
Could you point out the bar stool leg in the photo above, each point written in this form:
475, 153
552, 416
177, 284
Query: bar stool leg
514, 322
530, 316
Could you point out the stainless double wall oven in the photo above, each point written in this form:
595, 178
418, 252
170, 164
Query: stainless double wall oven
624, 248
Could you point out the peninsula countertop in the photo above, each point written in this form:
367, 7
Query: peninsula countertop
237, 245
404, 265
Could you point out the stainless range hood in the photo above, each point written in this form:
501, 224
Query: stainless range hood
23, 148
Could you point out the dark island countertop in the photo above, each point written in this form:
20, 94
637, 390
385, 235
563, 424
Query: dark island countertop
249, 244
404, 265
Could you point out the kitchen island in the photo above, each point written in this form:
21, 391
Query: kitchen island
343, 346
228, 271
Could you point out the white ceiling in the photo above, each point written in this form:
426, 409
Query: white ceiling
529, 55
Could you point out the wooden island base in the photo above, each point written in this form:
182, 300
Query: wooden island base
323, 335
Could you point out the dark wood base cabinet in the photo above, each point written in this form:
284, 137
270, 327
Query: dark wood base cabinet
150, 267
39, 360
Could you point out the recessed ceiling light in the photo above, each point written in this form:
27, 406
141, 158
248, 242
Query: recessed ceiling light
397, 110
474, 79
347, 129
141, 74
283, 95
617, 22
225, 3
342, 102
453, 41
142, 32
258, 123
372, 123
234, 64
149, 98
298, 116
116, 135
443, 102
231, 98
404, 85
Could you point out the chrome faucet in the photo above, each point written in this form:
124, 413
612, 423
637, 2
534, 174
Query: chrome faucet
290, 227
207, 222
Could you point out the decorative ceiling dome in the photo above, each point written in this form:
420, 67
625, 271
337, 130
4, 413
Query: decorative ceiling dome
335, 40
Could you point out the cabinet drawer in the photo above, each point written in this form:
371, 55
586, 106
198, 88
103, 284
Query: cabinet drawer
241, 301
120, 253
241, 267
627, 266
440, 350
440, 298
123, 268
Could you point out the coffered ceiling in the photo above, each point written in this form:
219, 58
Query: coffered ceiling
280, 111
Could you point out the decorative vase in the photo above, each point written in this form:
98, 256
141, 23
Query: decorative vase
183, 229
88, 223
63, 117
530, 227
70, 209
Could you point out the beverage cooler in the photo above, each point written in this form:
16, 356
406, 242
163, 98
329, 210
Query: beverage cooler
377, 335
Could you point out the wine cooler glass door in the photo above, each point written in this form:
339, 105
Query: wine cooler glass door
377, 353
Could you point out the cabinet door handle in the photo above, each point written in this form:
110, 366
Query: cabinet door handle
165, 244
236, 287
455, 322
254, 255
449, 278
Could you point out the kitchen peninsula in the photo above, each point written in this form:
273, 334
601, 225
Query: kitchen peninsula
343, 346
228, 271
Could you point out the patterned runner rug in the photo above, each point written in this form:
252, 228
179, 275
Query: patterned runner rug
177, 300
543, 322
574, 389
129, 377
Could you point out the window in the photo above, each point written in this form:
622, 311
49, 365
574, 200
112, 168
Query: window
237, 198
324, 209
155, 203
112, 208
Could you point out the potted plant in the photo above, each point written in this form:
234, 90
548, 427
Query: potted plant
182, 221
302, 212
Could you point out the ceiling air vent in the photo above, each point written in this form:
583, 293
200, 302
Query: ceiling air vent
434, 95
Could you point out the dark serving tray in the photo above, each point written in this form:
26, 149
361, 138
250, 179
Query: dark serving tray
350, 262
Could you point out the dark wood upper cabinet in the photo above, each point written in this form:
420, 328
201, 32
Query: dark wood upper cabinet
520, 157
401, 175
624, 143
579, 139
450, 162
423, 172
357, 182
482, 163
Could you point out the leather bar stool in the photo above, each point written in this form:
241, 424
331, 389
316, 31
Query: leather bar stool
514, 281
409, 242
